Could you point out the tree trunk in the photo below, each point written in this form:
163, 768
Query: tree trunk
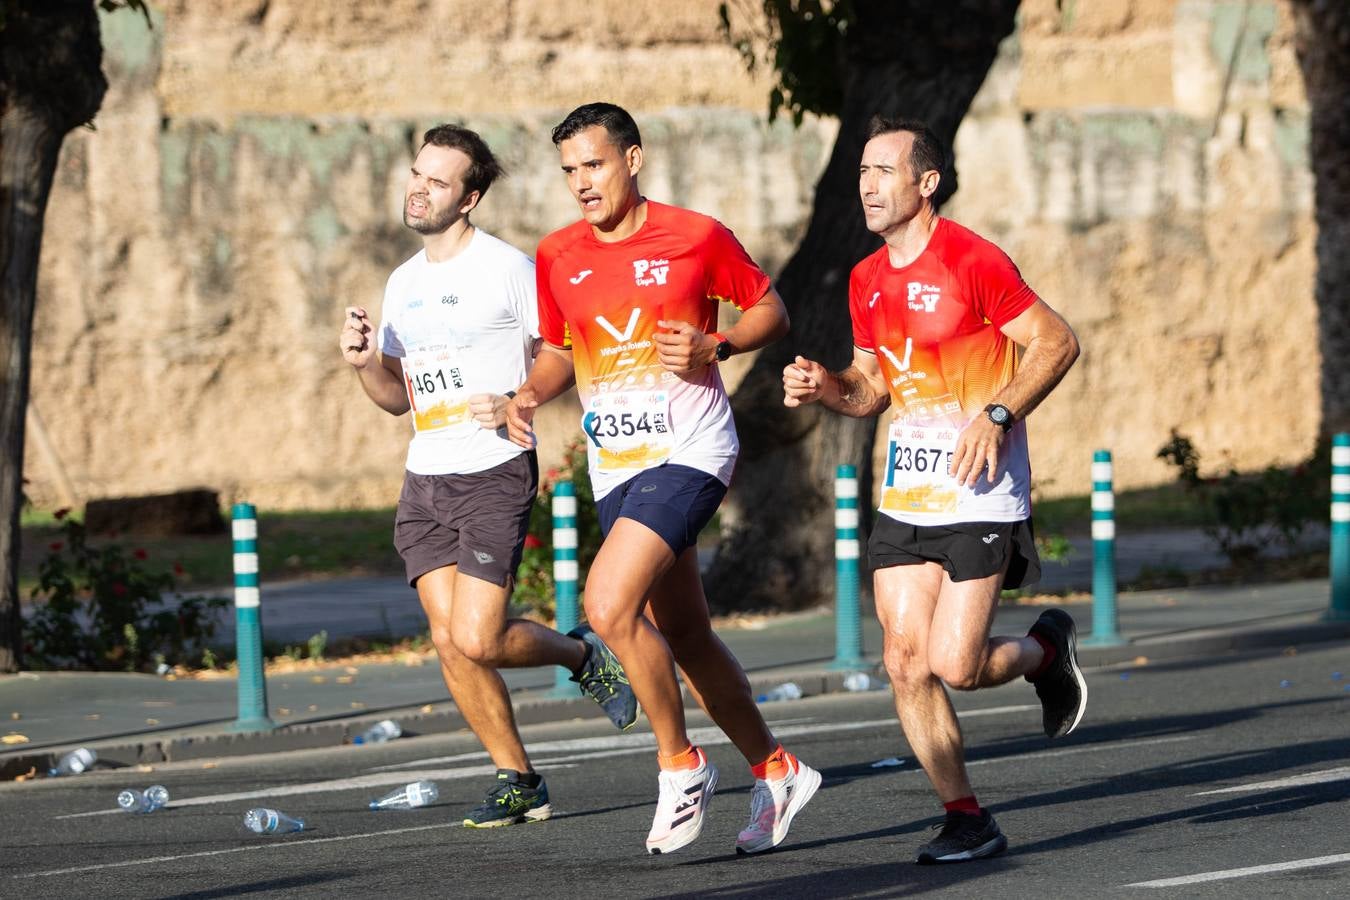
50, 82
914, 59
1323, 43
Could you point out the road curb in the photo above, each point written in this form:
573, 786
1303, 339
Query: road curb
541, 707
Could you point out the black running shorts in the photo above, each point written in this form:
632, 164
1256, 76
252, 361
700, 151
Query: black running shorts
476, 521
966, 550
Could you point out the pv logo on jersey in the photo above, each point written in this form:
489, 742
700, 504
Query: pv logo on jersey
923, 297
650, 271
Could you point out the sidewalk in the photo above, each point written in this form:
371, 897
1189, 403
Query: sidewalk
131, 719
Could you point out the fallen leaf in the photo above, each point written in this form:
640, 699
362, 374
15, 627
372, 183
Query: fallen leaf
352, 670
317, 679
14, 738
209, 765
314, 707
26, 776
152, 721
283, 711
344, 679
427, 708
15, 716
1141, 660
356, 705
94, 716
145, 767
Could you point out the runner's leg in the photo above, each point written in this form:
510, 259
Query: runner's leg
906, 599
629, 563
679, 611
478, 690
482, 632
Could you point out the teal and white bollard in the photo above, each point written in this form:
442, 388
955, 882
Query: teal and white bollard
1105, 629
847, 623
565, 571
1340, 528
248, 623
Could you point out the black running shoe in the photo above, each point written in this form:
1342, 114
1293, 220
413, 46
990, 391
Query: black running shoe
1061, 687
964, 837
510, 803
604, 680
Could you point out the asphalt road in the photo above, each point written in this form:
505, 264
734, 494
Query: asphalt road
1209, 779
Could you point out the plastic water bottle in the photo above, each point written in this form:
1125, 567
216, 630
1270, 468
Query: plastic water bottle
147, 801
410, 796
785, 691
379, 733
269, 821
74, 762
861, 681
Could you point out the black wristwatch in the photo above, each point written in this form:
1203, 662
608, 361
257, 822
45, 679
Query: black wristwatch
1000, 415
722, 353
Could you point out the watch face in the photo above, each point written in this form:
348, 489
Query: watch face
998, 414
723, 351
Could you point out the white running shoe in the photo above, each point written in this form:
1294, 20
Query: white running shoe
774, 803
684, 799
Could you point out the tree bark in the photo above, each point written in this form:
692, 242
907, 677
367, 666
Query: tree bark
51, 81
1322, 38
914, 59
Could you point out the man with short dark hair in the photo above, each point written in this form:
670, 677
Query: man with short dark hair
459, 330
628, 305
938, 316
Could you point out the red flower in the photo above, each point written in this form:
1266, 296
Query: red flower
62, 512
119, 589
55, 547
532, 542
139, 553
552, 475
178, 569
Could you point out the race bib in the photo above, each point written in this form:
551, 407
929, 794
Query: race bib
628, 429
435, 389
917, 460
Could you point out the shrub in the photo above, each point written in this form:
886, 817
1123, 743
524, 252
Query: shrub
534, 578
1246, 513
102, 608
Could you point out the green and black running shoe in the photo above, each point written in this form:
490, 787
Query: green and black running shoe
510, 802
603, 678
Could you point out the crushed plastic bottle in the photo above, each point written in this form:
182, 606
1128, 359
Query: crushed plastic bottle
147, 801
378, 733
861, 681
270, 821
410, 796
74, 762
786, 691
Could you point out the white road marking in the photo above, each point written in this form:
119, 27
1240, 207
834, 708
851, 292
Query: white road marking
1341, 773
1073, 751
702, 736
268, 846
1223, 874
317, 787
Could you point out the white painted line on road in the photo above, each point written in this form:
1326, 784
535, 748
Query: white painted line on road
270, 846
1341, 773
1223, 874
316, 787
1073, 751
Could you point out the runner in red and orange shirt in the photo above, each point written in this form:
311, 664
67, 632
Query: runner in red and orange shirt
628, 303
938, 316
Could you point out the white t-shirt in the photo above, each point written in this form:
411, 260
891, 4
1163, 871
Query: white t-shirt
460, 327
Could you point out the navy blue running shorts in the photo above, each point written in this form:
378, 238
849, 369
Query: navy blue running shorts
674, 501
966, 550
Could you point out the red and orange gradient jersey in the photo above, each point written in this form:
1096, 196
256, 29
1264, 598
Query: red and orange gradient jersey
935, 328
603, 300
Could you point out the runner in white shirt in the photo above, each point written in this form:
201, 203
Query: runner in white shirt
458, 333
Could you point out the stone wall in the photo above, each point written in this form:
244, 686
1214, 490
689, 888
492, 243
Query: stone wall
1144, 162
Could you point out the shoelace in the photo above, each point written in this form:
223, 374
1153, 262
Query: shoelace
761, 800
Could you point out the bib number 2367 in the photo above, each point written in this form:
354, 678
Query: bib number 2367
917, 463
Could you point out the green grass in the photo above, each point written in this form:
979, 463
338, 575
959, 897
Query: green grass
290, 545
1156, 507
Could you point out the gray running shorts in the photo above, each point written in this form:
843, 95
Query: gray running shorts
966, 550
477, 521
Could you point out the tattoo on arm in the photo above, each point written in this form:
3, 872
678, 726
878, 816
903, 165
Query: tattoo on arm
854, 392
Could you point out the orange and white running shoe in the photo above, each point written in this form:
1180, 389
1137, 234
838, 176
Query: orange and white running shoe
684, 799
773, 803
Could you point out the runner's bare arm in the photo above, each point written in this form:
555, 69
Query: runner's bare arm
382, 382
552, 374
684, 348
1050, 349
858, 391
